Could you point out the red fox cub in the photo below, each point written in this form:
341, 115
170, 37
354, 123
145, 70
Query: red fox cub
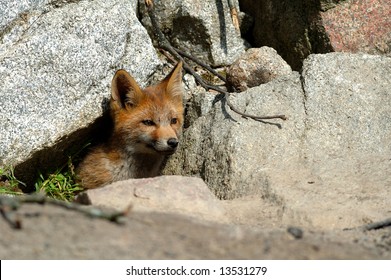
147, 124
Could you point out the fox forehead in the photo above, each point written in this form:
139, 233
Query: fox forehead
156, 105
156, 93
164, 110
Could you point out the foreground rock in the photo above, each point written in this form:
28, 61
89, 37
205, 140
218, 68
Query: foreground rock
167, 194
327, 166
56, 65
56, 233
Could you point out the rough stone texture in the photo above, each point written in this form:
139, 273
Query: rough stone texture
359, 26
328, 4
167, 194
56, 63
55, 233
328, 165
12, 10
348, 104
334, 194
203, 28
233, 154
256, 66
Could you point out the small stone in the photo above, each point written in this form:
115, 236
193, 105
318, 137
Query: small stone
255, 67
296, 232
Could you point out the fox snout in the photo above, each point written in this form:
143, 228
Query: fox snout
165, 146
173, 143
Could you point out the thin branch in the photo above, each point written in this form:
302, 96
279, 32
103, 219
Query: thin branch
178, 54
199, 62
282, 117
377, 225
373, 226
8, 206
234, 14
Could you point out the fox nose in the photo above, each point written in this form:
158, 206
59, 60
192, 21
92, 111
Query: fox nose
172, 142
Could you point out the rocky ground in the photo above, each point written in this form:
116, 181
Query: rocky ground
251, 231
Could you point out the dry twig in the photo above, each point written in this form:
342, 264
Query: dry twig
377, 225
373, 226
234, 14
9, 205
164, 44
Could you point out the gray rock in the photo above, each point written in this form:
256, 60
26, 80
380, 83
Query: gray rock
338, 193
328, 165
256, 66
348, 103
168, 194
233, 154
56, 67
347, 142
11, 11
202, 27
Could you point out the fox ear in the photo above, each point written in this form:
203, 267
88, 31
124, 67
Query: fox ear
174, 82
125, 90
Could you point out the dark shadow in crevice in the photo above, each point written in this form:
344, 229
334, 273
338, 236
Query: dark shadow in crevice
223, 27
51, 158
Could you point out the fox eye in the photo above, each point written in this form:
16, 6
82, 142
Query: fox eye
174, 121
148, 122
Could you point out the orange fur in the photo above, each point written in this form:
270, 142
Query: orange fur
147, 126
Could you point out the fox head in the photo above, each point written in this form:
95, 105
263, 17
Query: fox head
147, 121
